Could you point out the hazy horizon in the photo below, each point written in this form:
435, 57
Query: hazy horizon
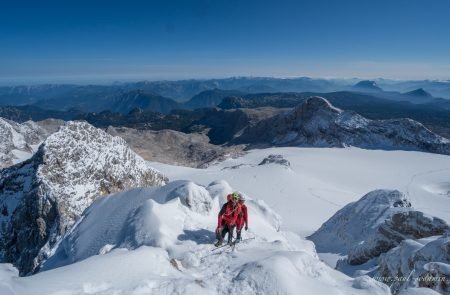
108, 82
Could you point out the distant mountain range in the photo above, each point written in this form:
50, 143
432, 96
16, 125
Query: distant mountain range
147, 111
183, 90
147, 105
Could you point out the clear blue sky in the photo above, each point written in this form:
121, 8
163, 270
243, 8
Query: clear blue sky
132, 40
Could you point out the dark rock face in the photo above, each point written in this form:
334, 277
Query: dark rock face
401, 226
275, 159
45, 195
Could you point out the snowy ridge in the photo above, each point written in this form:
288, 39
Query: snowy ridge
168, 243
315, 122
46, 194
18, 141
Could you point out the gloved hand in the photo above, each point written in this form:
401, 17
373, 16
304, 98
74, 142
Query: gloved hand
219, 229
246, 227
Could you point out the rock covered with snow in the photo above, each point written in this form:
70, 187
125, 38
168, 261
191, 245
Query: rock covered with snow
424, 263
400, 226
315, 122
357, 221
382, 228
45, 195
19, 141
275, 159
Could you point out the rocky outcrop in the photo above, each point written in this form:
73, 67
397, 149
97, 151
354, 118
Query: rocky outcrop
410, 248
421, 263
315, 122
275, 159
44, 196
19, 141
358, 221
400, 226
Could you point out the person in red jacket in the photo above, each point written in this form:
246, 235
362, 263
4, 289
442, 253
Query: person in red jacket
243, 218
227, 219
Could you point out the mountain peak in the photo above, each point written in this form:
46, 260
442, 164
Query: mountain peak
72, 168
420, 92
314, 103
367, 85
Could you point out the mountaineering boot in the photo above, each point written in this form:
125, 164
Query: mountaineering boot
218, 243
238, 238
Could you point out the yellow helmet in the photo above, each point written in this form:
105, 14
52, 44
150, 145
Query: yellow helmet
235, 196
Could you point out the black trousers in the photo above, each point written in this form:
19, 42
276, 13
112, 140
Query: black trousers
226, 228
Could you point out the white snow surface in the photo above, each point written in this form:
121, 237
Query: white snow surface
318, 183
148, 241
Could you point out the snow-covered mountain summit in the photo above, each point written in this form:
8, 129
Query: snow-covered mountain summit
42, 197
18, 141
315, 122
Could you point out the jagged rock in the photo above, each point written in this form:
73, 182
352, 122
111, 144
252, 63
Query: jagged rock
357, 221
275, 159
421, 263
46, 194
400, 226
19, 141
315, 122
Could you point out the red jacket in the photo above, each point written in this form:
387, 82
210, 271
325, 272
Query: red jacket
229, 213
243, 217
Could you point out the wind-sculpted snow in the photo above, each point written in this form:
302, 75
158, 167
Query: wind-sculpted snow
168, 244
46, 194
18, 142
316, 123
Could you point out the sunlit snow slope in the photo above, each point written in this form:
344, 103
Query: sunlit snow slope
320, 181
